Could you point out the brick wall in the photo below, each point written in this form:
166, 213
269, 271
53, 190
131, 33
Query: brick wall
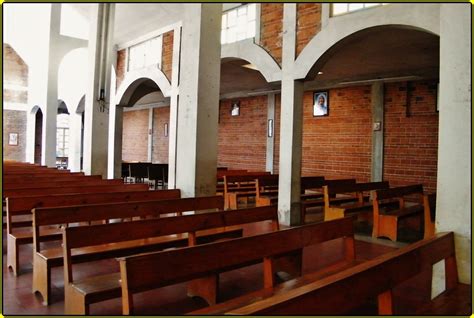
339, 145
14, 122
308, 24
135, 136
160, 142
242, 139
411, 143
167, 54
271, 28
121, 66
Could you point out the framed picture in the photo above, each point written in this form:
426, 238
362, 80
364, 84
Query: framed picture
235, 108
320, 104
13, 139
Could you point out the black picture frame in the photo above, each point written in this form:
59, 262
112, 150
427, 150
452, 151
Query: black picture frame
235, 108
321, 109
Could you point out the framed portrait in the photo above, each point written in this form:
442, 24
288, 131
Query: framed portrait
320, 104
13, 139
235, 108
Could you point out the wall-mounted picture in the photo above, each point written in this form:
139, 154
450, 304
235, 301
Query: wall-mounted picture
235, 108
13, 139
166, 130
320, 104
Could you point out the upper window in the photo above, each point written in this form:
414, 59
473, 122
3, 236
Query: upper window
341, 8
145, 54
239, 24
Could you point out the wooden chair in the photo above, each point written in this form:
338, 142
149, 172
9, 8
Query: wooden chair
240, 187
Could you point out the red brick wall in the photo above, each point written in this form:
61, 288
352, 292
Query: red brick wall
121, 66
308, 24
167, 54
135, 136
271, 28
411, 143
242, 139
339, 145
14, 122
160, 142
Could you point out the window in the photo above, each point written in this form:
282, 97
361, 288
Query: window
239, 24
341, 8
145, 54
62, 136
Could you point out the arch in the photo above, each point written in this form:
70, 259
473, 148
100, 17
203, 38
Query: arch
135, 78
418, 17
62, 107
81, 105
35, 109
256, 55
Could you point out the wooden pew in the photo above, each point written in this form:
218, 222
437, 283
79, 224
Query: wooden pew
45, 259
47, 171
266, 188
40, 178
61, 183
144, 272
342, 292
240, 186
80, 293
220, 178
76, 189
386, 222
19, 207
429, 207
334, 210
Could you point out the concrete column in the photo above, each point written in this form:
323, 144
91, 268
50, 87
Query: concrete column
99, 79
196, 150
453, 210
150, 134
377, 100
173, 124
114, 167
291, 127
75, 122
270, 139
50, 109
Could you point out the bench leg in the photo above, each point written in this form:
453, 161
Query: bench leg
231, 201
13, 260
74, 302
333, 213
42, 278
206, 288
289, 263
388, 227
385, 303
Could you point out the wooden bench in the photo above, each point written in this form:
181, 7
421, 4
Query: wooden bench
239, 186
386, 222
347, 290
147, 235
45, 259
144, 272
429, 207
40, 178
334, 209
19, 232
61, 183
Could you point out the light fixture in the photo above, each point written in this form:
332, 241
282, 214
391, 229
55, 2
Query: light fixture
250, 66
320, 73
166, 130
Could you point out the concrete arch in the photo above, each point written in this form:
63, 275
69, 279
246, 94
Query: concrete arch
256, 55
81, 105
35, 109
420, 17
133, 79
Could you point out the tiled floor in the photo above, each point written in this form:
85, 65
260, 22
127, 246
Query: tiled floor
19, 300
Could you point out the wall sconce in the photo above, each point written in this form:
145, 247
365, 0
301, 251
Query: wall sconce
235, 108
166, 130
270, 128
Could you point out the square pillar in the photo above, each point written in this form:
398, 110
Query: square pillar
197, 116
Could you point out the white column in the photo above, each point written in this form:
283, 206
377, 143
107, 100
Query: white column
173, 125
150, 135
270, 139
196, 150
75, 122
377, 101
99, 79
50, 109
291, 126
30, 136
453, 210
